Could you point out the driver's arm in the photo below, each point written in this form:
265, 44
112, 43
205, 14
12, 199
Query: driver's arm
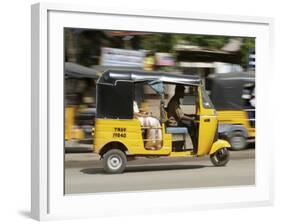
189, 118
183, 116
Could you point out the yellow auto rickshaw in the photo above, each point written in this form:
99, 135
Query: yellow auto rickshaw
119, 136
233, 96
79, 103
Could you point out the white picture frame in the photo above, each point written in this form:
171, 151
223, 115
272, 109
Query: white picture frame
48, 200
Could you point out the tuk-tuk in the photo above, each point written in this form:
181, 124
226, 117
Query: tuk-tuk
119, 136
79, 102
232, 94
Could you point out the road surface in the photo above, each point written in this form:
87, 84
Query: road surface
84, 173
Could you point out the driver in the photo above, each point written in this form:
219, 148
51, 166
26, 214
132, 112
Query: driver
174, 112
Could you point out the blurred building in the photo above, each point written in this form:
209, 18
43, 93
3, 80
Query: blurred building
204, 61
116, 57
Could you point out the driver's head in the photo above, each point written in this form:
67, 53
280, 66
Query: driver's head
179, 91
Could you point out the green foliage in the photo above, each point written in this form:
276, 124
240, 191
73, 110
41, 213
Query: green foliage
248, 43
212, 42
158, 42
166, 42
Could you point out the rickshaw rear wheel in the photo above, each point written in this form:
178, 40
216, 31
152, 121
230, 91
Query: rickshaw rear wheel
220, 157
114, 161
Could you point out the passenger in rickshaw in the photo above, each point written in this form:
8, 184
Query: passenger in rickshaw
175, 112
153, 133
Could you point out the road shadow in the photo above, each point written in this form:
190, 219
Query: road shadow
77, 149
145, 168
26, 214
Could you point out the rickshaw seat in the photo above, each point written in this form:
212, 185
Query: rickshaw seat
176, 130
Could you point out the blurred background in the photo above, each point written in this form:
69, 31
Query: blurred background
225, 64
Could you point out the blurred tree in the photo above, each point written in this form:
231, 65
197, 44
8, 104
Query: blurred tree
83, 46
166, 42
159, 42
212, 42
70, 45
248, 43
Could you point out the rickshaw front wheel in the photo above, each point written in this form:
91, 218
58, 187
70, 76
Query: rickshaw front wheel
220, 157
114, 161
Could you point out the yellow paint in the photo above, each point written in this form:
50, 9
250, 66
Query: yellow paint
218, 145
127, 132
149, 63
78, 134
71, 132
207, 127
252, 132
69, 122
238, 117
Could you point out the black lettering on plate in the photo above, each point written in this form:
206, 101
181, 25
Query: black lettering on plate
119, 132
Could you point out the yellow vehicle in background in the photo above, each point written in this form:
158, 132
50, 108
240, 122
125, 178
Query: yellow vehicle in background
119, 136
79, 82
232, 95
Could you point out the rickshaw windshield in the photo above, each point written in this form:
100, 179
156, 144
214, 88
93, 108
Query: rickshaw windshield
157, 86
207, 103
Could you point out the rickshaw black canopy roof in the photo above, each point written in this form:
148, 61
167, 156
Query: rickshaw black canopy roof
113, 76
115, 90
226, 89
72, 70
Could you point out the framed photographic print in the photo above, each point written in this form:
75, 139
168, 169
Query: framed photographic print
148, 111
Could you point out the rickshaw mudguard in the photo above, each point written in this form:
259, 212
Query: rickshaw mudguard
218, 145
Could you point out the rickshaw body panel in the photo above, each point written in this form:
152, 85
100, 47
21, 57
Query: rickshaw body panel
218, 145
207, 127
69, 122
70, 132
207, 131
236, 117
127, 132
252, 132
